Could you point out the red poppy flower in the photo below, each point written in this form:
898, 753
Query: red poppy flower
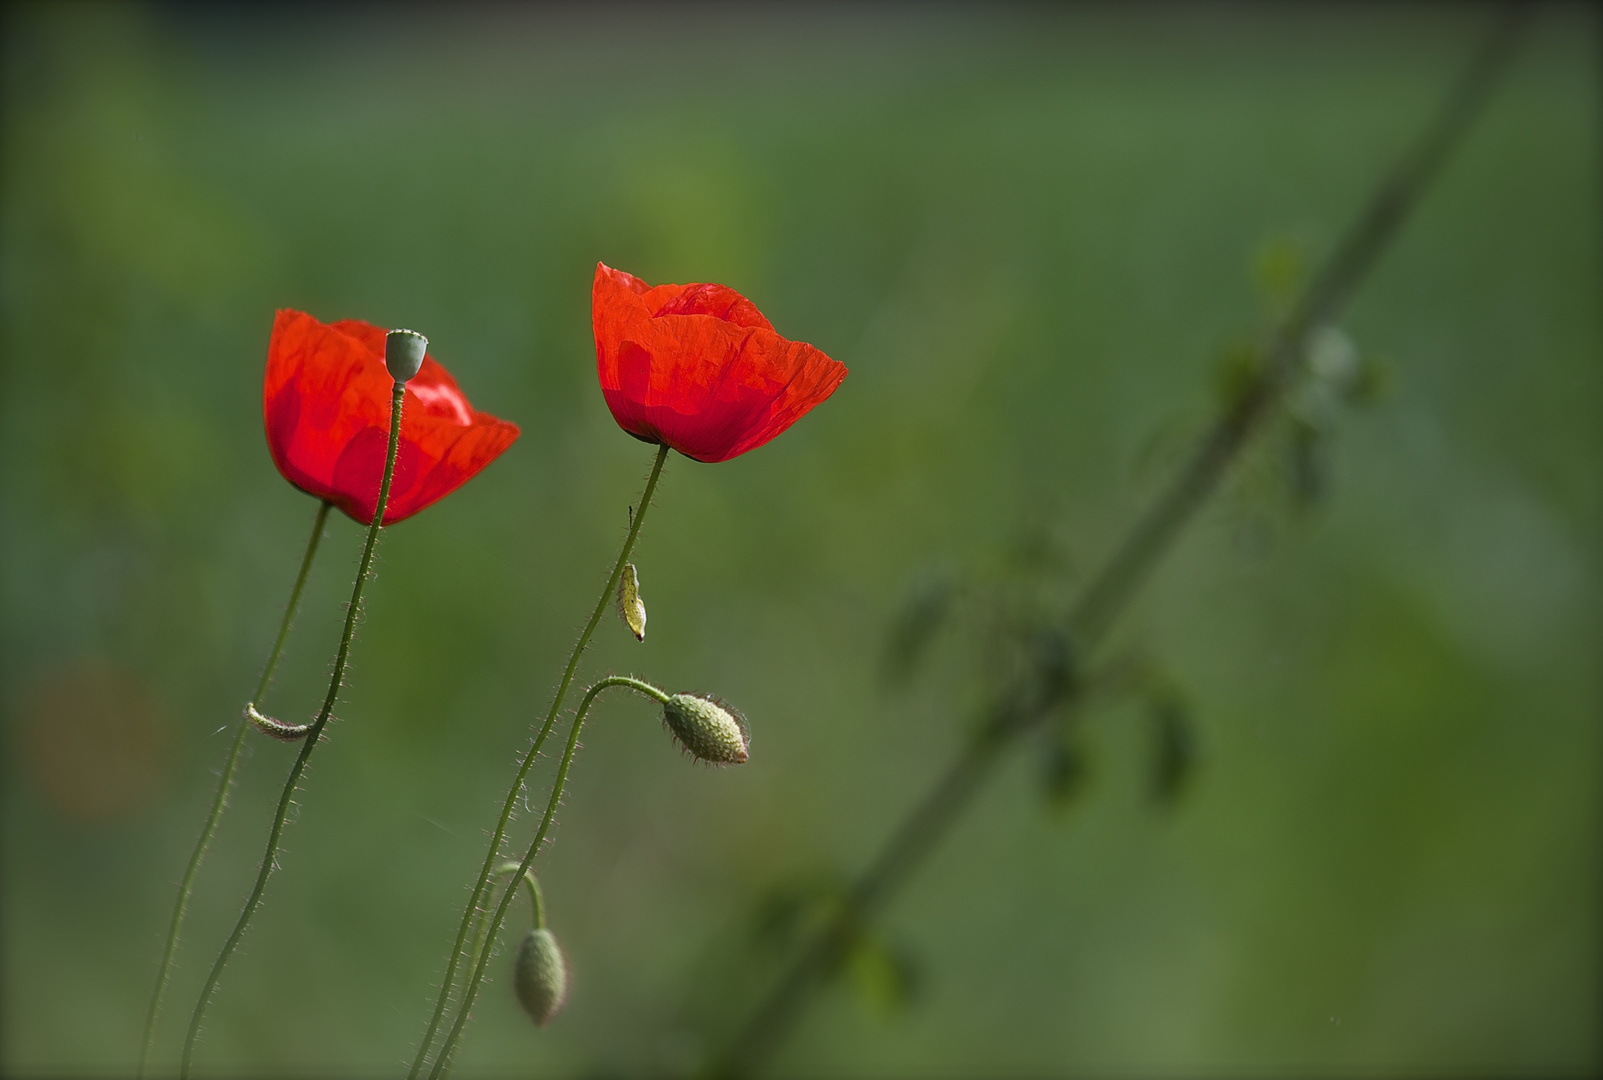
699, 368
326, 400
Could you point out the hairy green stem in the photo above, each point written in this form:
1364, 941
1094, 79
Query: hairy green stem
220, 800
529, 758
472, 988
536, 903
536, 906
351, 614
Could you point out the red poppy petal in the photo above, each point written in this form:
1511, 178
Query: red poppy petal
699, 368
719, 301
816, 378
360, 469
447, 459
620, 281
320, 390
326, 403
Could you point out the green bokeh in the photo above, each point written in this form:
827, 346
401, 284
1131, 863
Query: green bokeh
1029, 233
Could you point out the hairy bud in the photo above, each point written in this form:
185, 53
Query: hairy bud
403, 353
276, 728
540, 976
710, 730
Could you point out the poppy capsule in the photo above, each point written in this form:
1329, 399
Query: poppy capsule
698, 367
326, 404
403, 353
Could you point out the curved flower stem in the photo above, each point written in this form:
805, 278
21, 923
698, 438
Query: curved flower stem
528, 762
536, 903
484, 913
472, 988
220, 800
351, 613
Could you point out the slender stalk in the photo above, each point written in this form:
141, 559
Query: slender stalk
535, 901
536, 904
472, 988
351, 614
1113, 587
528, 762
220, 800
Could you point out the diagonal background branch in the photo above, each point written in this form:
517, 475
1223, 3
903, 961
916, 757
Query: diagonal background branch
1052, 685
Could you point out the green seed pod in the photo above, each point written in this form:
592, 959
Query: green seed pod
710, 730
540, 976
403, 353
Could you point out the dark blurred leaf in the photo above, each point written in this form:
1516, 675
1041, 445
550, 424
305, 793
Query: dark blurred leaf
776, 915
1065, 769
1040, 552
1238, 366
782, 911
885, 977
1051, 659
1279, 268
927, 609
1307, 465
1174, 749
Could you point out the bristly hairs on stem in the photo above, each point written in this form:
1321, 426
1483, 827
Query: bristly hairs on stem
352, 611
1019, 709
447, 984
471, 988
224, 783
536, 904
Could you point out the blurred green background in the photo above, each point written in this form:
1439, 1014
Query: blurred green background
1031, 234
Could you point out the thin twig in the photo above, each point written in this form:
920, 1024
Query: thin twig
1110, 591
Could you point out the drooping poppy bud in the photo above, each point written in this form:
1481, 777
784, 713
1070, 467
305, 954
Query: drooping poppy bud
276, 728
630, 606
698, 367
403, 353
326, 404
710, 730
540, 976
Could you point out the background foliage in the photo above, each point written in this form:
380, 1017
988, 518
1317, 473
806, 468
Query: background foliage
1031, 234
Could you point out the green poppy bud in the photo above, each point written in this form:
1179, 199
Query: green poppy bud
403, 353
540, 976
707, 728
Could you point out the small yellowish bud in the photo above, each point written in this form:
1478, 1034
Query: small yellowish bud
540, 976
403, 353
630, 606
708, 729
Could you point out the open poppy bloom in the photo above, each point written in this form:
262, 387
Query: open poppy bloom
326, 400
698, 367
